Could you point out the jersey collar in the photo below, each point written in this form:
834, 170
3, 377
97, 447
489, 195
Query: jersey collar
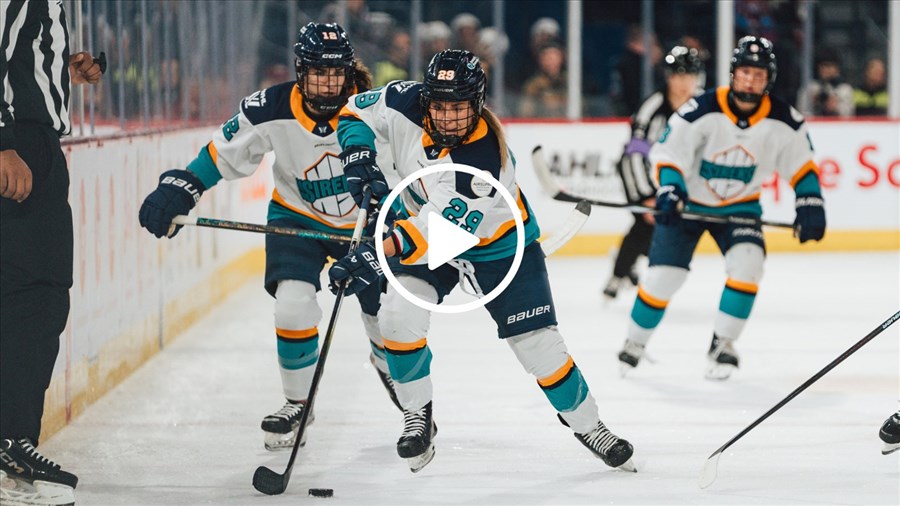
480, 131
765, 106
308, 123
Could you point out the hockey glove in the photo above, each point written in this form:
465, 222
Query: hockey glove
361, 170
809, 225
670, 201
360, 269
177, 193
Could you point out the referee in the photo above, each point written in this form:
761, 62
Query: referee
36, 72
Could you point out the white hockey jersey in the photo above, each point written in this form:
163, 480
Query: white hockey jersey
722, 160
310, 186
393, 115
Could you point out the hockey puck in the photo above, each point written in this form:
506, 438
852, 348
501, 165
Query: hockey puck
321, 492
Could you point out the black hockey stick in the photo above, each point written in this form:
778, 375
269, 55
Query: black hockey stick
708, 475
546, 179
266, 480
262, 229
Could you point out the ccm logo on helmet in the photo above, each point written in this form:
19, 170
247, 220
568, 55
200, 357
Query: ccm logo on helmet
535, 311
330, 56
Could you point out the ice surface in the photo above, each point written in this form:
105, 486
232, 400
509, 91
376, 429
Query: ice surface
184, 429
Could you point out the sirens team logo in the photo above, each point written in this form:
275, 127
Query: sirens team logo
729, 172
324, 186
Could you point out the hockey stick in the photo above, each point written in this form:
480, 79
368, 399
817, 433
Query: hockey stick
577, 218
262, 229
546, 179
266, 480
710, 468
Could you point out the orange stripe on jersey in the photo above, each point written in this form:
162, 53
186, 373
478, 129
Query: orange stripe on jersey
651, 300
742, 286
558, 375
722, 99
765, 105
728, 202
417, 239
346, 111
280, 200
667, 165
481, 130
297, 108
213, 152
502, 229
297, 334
398, 346
809, 166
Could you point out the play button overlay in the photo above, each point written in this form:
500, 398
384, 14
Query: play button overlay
447, 241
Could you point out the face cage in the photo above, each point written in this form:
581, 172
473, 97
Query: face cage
753, 98
448, 141
326, 106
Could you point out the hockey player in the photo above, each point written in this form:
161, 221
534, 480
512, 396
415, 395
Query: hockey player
683, 68
890, 434
443, 120
298, 121
713, 157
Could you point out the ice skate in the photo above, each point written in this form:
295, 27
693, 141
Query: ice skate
613, 286
281, 427
28, 478
415, 443
890, 434
630, 356
613, 451
723, 359
387, 381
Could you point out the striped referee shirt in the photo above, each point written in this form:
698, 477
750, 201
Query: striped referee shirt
34, 70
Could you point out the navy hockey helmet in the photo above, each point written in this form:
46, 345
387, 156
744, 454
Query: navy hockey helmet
752, 51
683, 60
324, 45
453, 75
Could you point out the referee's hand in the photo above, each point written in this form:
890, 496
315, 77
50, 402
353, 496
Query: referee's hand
15, 176
83, 69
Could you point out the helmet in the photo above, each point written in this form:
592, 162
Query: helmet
752, 51
682, 60
453, 75
324, 45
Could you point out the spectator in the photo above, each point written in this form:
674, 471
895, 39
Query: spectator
544, 95
828, 94
871, 99
396, 66
543, 32
627, 90
465, 28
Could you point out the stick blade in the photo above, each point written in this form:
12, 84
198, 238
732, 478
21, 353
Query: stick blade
710, 471
269, 482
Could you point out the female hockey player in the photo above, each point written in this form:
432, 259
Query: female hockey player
713, 158
298, 121
683, 68
443, 120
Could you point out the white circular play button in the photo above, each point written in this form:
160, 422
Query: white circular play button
447, 241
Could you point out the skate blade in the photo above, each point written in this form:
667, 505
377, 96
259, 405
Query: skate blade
719, 372
419, 461
19, 492
890, 448
624, 369
276, 442
628, 466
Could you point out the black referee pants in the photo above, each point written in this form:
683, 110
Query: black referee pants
635, 243
35, 277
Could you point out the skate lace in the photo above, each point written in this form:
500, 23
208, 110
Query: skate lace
723, 347
600, 438
633, 348
32, 453
413, 423
289, 411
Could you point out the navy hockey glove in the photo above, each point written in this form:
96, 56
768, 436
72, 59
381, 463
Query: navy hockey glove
177, 193
360, 269
670, 200
361, 170
809, 225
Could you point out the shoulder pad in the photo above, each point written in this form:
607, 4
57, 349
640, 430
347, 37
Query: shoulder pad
403, 97
783, 112
697, 107
483, 154
269, 104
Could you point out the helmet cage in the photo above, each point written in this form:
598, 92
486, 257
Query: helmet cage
324, 45
453, 76
756, 52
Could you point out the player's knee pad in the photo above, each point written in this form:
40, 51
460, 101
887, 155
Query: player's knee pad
662, 281
296, 307
744, 263
399, 319
541, 352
